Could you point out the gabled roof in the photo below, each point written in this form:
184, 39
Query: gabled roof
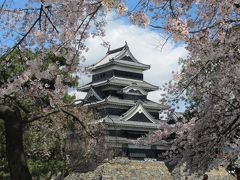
113, 100
138, 108
134, 89
119, 81
92, 93
120, 56
125, 120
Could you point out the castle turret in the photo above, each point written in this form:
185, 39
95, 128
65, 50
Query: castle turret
118, 93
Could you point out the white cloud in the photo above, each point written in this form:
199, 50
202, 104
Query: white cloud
145, 46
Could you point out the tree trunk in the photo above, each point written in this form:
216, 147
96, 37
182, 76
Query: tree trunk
14, 143
237, 171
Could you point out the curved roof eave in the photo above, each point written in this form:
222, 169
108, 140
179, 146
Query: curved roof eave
122, 63
138, 108
111, 101
114, 56
114, 81
128, 88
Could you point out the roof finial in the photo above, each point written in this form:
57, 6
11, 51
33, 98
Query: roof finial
126, 45
109, 46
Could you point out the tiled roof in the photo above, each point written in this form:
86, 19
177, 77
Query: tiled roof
93, 92
138, 108
114, 120
119, 81
117, 56
127, 102
134, 90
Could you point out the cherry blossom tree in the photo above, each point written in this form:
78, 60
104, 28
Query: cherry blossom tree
208, 82
59, 144
34, 108
40, 50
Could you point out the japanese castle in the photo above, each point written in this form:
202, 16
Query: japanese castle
118, 93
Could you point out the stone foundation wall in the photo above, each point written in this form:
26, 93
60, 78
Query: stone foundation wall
216, 174
125, 169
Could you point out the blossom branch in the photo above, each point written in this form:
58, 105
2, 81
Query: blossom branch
214, 25
40, 116
235, 107
229, 128
192, 79
85, 28
78, 120
54, 27
24, 109
22, 39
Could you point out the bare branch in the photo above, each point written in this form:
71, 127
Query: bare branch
165, 42
171, 8
2, 5
157, 27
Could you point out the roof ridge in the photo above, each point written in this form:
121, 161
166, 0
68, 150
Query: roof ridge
117, 49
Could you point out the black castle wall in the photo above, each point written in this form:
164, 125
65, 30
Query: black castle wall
118, 73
